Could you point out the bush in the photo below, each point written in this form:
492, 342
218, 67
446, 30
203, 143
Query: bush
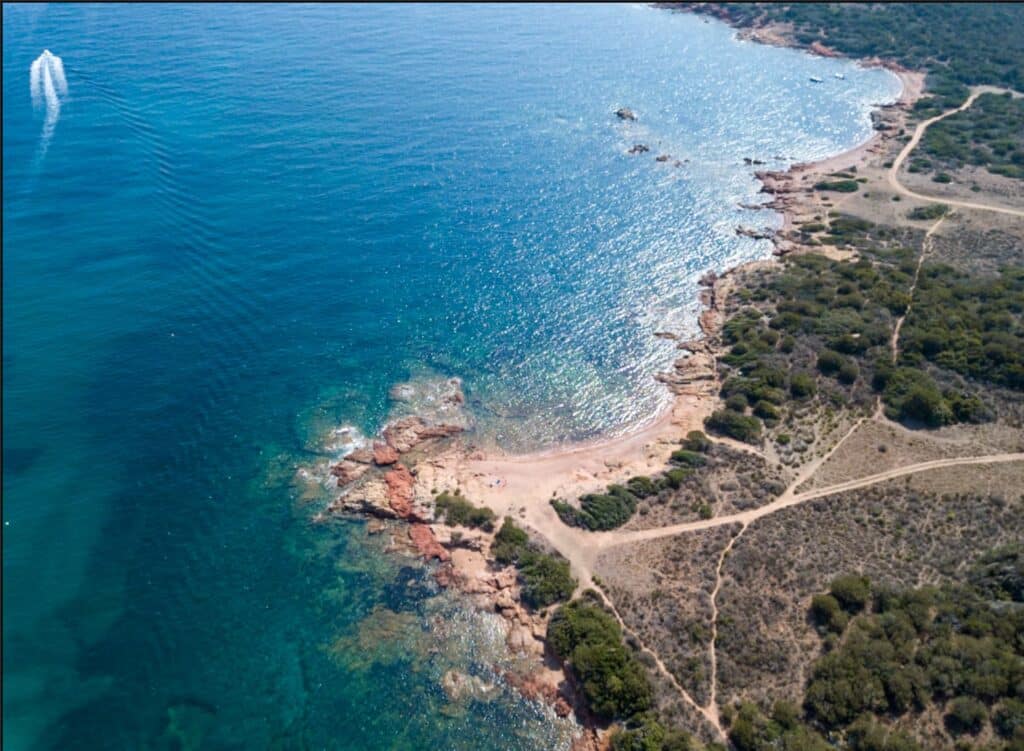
839, 186
736, 402
599, 511
767, 410
642, 486
651, 735
546, 579
590, 640
966, 715
826, 611
911, 394
687, 458
733, 424
674, 477
509, 543
1008, 719
852, 592
848, 372
802, 386
929, 212
696, 441
830, 361
458, 510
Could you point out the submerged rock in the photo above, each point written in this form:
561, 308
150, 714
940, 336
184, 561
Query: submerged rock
639, 148
459, 686
405, 434
625, 113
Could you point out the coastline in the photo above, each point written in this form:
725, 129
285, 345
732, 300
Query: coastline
411, 472
527, 481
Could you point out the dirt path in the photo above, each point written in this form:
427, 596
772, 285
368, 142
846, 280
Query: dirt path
893, 175
925, 247
712, 707
790, 498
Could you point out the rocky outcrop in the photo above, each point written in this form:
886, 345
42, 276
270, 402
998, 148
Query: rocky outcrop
400, 490
639, 148
406, 434
362, 456
426, 544
348, 471
384, 455
820, 49
756, 234
625, 113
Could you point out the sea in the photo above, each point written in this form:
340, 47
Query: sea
230, 230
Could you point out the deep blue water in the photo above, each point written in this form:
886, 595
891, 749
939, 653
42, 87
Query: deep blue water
241, 228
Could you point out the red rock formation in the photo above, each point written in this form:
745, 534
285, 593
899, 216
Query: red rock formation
383, 455
427, 545
820, 49
400, 490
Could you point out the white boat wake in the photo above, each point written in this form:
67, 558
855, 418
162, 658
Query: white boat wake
48, 85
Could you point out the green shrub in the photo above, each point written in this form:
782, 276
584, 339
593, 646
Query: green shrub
830, 362
642, 486
1008, 719
848, 372
826, 611
736, 402
687, 458
929, 212
911, 394
546, 579
509, 543
650, 735
457, 510
767, 410
839, 186
851, 591
696, 441
590, 640
673, 478
966, 715
599, 511
733, 424
802, 386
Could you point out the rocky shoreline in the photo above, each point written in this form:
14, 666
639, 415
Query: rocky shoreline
379, 483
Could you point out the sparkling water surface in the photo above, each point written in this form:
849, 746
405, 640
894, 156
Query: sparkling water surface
236, 230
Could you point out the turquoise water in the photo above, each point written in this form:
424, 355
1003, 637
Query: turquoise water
239, 227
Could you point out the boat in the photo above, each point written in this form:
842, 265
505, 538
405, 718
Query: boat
840, 76
815, 79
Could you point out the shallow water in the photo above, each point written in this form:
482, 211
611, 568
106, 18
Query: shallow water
241, 227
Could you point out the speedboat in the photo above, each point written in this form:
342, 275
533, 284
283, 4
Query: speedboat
815, 79
840, 76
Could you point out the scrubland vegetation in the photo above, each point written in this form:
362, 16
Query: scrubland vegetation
545, 578
953, 653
